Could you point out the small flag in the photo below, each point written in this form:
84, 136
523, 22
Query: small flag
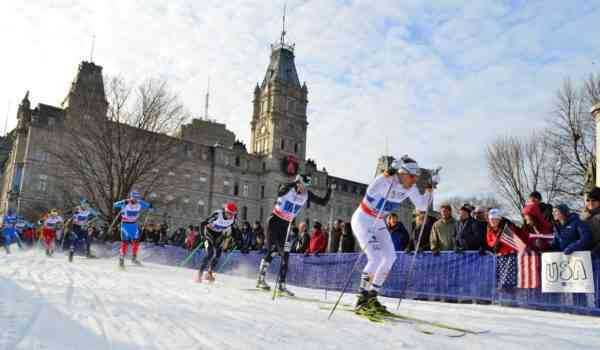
510, 238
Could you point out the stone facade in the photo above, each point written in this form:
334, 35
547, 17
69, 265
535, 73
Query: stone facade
215, 168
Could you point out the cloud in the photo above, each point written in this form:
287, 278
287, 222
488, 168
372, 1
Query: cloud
437, 80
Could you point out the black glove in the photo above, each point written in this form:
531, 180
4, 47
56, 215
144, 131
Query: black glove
435, 253
458, 250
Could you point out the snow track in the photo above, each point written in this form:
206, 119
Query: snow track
48, 303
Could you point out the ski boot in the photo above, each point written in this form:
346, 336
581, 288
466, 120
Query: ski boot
135, 261
7, 248
262, 284
199, 277
362, 301
282, 291
374, 306
71, 254
122, 262
47, 252
210, 277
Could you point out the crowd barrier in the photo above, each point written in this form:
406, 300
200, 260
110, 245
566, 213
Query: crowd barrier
451, 277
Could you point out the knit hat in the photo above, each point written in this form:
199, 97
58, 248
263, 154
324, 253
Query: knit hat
446, 205
594, 194
317, 225
564, 209
466, 207
495, 214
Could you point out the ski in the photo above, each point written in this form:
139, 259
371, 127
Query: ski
278, 295
421, 323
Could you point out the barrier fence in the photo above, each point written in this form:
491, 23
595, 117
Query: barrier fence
451, 277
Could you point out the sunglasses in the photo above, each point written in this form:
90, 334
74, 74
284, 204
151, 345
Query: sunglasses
591, 200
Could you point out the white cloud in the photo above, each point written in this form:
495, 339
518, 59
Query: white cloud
436, 81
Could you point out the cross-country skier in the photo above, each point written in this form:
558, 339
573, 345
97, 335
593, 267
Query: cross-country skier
383, 196
291, 199
51, 225
213, 229
79, 231
130, 210
9, 230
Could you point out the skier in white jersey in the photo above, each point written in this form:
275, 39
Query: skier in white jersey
291, 199
383, 196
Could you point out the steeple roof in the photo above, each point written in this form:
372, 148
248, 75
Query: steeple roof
282, 66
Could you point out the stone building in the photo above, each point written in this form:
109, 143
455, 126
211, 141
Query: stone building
215, 168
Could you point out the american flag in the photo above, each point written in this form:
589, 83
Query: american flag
518, 271
510, 238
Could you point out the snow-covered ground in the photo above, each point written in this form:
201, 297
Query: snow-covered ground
47, 303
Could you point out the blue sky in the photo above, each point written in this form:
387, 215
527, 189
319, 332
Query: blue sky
436, 79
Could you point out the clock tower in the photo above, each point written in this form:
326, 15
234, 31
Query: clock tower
279, 116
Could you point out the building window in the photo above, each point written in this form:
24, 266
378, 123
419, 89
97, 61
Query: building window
264, 166
87, 117
51, 121
244, 213
283, 144
226, 159
202, 179
236, 189
296, 147
262, 191
204, 155
201, 207
245, 190
43, 184
237, 161
16, 183
261, 214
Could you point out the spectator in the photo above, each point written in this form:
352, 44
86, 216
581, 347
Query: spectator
335, 236
318, 241
303, 238
398, 233
259, 234
497, 223
190, 239
248, 241
480, 227
571, 233
537, 228
467, 235
546, 209
443, 233
293, 238
423, 241
347, 241
591, 216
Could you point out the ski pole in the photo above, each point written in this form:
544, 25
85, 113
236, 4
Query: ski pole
412, 263
331, 228
385, 200
191, 254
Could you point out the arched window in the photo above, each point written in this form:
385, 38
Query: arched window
236, 189
296, 147
237, 161
282, 143
245, 213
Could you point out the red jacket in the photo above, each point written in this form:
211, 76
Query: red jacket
541, 226
492, 236
318, 242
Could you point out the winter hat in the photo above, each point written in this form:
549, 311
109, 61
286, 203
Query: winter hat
495, 214
467, 207
479, 210
317, 225
406, 165
446, 205
594, 194
564, 209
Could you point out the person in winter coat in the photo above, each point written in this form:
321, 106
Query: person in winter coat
496, 224
259, 234
571, 233
443, 233
303, 238
247, 238
537, 228
318, 240
423, 242
335, 237
398, 233
348, 242
467, 236
591, 216
190, 239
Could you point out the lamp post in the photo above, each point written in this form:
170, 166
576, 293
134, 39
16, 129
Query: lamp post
595, 111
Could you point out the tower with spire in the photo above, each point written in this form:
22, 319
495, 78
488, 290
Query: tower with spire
86, 98
279, 123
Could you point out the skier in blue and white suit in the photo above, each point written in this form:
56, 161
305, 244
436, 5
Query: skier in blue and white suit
130, 210
9, 230
79, 233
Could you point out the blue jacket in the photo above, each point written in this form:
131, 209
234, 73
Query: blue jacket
399, 236
574, 235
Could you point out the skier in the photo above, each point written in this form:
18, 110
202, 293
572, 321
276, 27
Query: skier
291, 198
383, 196
79, 231
130, 210
213, 228
9, 230
51, 225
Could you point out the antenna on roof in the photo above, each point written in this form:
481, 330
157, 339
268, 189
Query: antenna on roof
206, 99
6, 120
92, 49
283, 25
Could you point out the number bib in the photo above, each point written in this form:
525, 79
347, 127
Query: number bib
289, 205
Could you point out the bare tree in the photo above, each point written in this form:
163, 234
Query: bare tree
572, 136
519, 166
487, 202
105, 157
